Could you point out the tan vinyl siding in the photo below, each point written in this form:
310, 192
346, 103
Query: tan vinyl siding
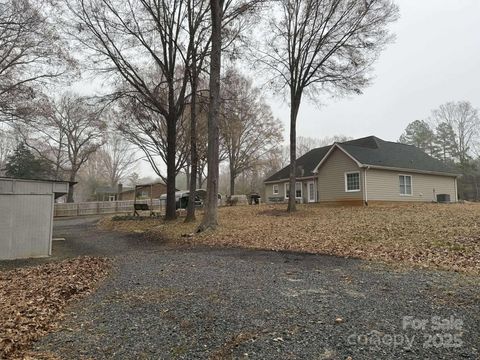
269, 190
331, 178
281, 190
385, 185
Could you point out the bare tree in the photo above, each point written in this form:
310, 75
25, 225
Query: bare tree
464, 120
31, 54
144, 43
8, 143
316, 46
69, 132
117, 157
147, 130
223, 14
305, 143
248, 130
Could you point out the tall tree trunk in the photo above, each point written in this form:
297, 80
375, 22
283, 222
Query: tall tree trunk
200, 178
294, 106
193, 147
187, 171
210, 217
232, 180
71, 179
170, 211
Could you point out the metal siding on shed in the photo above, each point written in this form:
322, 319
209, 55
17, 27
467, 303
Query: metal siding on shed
6, 186
32, 187
25, 225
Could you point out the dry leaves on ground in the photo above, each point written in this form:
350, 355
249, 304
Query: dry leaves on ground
427, 235
32, 299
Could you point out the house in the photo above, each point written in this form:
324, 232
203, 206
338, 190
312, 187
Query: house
109, 193
145, 191
365, 170
26, 216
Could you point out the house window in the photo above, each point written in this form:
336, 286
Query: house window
405, 184
352, 181
275, 189
298, 190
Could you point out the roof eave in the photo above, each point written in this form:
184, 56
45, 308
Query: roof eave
286, 179
419, 171
336, 146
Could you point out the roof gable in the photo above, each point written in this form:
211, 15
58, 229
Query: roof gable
368, 151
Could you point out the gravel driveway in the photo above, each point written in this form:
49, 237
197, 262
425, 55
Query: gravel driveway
163, 302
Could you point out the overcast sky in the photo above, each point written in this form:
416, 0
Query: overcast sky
434, 59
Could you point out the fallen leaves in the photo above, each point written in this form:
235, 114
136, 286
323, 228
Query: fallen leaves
32, 299
425, 235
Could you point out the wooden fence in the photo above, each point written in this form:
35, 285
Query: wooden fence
103, 207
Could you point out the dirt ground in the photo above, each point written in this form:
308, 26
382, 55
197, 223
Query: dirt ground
445, 236
164, 301
183, 300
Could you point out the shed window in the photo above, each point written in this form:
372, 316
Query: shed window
352, 181
275, 189
405, 184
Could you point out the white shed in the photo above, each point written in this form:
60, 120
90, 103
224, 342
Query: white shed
26, 216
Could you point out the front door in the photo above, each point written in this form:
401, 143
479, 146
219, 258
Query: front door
311, 192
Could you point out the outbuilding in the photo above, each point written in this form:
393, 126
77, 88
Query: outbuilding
26, 216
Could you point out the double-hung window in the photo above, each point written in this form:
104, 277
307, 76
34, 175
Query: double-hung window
298, 190
405, 184
275, 189
352, 181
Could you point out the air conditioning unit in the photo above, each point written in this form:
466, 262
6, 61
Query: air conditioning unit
443, 198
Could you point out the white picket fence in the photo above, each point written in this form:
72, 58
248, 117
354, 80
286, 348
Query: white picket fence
103, 207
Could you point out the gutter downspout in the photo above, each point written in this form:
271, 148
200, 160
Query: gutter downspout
365, 186
456, 190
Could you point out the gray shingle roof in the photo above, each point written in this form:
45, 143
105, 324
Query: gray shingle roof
377, 152
305, 164
370, 151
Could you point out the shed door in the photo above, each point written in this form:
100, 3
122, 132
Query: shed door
25, 225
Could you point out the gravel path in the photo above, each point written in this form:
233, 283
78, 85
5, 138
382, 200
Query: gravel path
163, 302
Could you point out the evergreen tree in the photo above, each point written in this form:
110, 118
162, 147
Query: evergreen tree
24, 165
445, 141
419, 134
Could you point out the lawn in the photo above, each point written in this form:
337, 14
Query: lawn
426, 235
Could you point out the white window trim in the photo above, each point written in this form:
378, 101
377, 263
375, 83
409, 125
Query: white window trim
301, 190
411, 184
275, 189
359, 181
309, 193
285, 193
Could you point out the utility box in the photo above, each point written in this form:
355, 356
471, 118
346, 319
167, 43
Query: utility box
26, 217
443, 198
